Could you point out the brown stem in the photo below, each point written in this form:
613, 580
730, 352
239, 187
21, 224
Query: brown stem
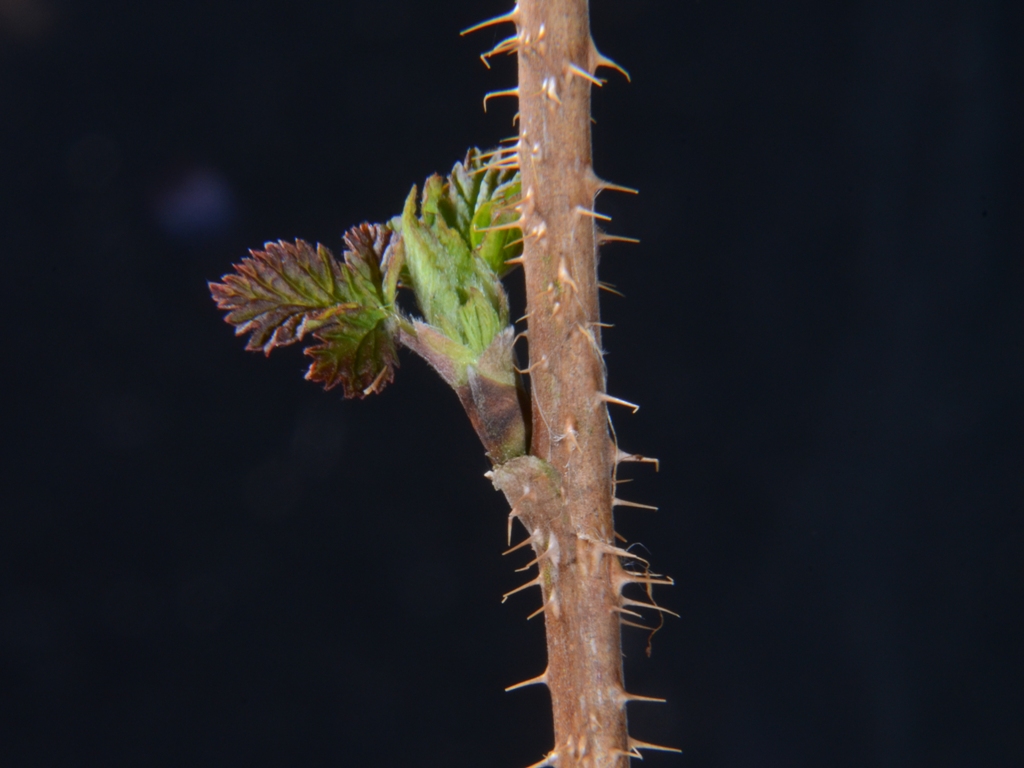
572, 531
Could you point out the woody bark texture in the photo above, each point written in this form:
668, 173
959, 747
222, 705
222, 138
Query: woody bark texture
572, 532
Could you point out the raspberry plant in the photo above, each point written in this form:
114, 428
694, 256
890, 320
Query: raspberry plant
545, 427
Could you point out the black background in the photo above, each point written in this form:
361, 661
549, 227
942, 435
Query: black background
205, 560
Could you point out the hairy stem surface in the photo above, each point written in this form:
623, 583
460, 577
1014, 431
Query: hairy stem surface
573, 533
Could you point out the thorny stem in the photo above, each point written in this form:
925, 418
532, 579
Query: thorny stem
581, 578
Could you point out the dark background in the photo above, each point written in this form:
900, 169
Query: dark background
207, 561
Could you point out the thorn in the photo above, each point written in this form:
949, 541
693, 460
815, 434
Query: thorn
498, 227
520, 545
627, 623
604, 237
604, 61
570, 435
537, 612
549, 88
616, 401
518, 259
498, 94
625, 480
590, 337
511, 516
507, 45
611, 550
502, 209
524, 317
511, 162
620, 537
636, 578
538, 680
602, 325
373, 388
623, 457
510, 16
593, 214
637, 744
607, 185
623, 553
623, 503
618, 609
530, 564
580, 72
534, 582
627, 697
610, 288
497, 152
565, 277
638, 604
549, 759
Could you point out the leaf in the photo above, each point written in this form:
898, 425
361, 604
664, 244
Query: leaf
286, 292
358, 351
480, 201
457, 241
492, 245
373, 266
278, 292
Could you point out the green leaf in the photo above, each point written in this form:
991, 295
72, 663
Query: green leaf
456, 244
286, 292
358, 351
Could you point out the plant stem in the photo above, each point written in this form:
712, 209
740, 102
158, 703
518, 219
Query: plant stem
581, 577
